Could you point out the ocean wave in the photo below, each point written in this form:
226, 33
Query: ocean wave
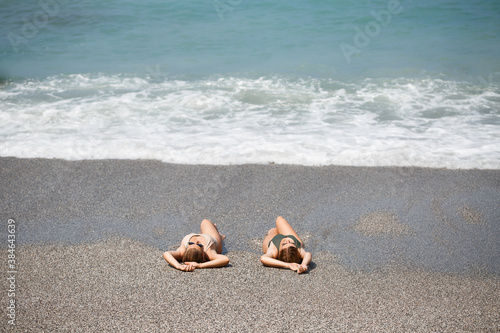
427, 122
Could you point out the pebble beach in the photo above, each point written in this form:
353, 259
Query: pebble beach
394, 249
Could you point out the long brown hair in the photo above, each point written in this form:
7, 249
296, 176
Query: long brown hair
196, 255
290, 254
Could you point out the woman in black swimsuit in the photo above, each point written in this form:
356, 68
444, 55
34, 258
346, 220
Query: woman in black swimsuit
283, 248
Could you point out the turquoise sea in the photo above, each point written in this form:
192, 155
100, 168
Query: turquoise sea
371, 83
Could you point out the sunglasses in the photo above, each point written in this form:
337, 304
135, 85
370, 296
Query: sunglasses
191, 243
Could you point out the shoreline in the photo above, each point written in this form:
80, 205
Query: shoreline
256, 164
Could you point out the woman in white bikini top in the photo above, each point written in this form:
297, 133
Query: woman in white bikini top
201, 250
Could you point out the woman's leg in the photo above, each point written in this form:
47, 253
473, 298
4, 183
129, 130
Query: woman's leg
209, 228
285, 228
270, 234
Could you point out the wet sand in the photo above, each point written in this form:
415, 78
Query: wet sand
394, 249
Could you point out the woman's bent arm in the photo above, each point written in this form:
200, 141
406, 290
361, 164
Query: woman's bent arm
271, 262
268, 260
219, 260
306, 258
304, 265
172, 258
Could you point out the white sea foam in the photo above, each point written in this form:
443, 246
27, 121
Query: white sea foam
401, 122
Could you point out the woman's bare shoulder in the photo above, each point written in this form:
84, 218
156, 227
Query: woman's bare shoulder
272, 251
